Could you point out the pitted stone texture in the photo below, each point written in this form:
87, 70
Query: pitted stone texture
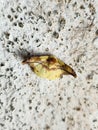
66, 29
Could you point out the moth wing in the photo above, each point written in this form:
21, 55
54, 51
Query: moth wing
68, 70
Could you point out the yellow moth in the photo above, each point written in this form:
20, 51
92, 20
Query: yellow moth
49, 67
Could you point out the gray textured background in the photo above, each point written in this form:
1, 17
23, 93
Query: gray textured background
67, 29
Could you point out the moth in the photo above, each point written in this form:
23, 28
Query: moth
49, 67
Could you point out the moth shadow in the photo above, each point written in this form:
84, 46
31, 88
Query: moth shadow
24, 54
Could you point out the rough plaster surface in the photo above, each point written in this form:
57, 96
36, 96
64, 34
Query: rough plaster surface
67, 29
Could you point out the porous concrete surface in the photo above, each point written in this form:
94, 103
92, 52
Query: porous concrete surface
67, 29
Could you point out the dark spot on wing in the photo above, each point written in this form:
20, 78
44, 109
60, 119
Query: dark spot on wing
51, 60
